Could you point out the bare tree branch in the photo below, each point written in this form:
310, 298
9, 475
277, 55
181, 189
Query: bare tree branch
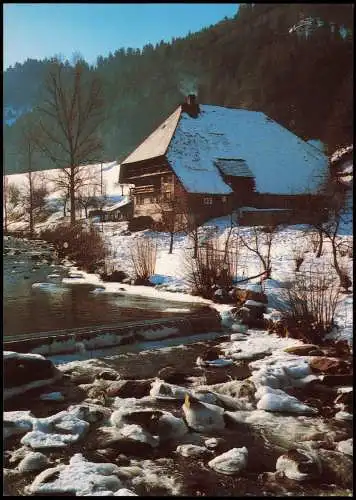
73, 112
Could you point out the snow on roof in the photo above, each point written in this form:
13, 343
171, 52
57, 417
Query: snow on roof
234, 167
281, 162
340, 153
156, 143
120, 204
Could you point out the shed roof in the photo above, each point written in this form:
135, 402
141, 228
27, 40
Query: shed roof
235, 167
120, 204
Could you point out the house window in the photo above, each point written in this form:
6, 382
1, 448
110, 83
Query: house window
224, 199
208, 201
167, 196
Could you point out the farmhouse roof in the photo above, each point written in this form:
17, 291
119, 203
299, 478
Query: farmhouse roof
156, 144
281, 162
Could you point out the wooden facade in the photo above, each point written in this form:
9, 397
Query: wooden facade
156, 185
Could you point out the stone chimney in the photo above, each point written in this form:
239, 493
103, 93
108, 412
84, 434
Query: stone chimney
191, 106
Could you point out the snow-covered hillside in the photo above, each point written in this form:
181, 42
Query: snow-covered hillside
99, 179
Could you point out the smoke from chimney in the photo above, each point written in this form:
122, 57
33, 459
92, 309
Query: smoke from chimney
188, 84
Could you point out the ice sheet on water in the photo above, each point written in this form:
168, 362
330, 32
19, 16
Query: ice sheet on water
50, 287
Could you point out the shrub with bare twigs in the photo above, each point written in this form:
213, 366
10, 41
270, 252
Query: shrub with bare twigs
143, 257
311, 304
84, 245
214, 266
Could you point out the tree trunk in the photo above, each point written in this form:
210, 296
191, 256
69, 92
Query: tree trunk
320, 247
31, 190
195, 245
336, 264
5, 203
72, 196
171, 244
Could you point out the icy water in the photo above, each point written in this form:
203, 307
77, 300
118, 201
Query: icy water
51, 305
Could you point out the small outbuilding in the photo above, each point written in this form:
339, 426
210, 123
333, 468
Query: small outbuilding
119, 211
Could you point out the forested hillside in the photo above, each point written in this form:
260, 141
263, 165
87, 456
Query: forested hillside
294, 62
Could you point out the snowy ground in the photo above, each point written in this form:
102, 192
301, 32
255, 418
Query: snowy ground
171, 269
170, 274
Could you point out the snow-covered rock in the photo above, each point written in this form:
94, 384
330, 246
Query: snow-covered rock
163, 390
56, 431
23, 372
282, 402
33, 461
343, 416
203, 417
220, 362
191, 450
299, 465
17, 422
345, 446
137, 433
79, 478
231, 462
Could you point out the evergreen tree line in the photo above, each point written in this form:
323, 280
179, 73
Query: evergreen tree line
250, 61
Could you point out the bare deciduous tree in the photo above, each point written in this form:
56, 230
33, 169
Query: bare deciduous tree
28, 149
172, 218
69, 120
331, 231
328, 218
260, 244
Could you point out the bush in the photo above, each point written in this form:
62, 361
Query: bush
115, 276
311, 303
213, 268
143, 257
141, 223
84, 245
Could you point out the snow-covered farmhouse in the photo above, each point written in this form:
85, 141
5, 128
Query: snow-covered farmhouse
218, 159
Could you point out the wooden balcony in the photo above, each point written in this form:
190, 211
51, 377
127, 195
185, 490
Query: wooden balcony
149, 188
138, 175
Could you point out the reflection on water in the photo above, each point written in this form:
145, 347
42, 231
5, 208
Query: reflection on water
51, 305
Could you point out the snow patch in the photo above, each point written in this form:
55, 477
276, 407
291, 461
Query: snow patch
79, 478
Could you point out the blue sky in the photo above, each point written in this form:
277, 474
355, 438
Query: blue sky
42, 30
